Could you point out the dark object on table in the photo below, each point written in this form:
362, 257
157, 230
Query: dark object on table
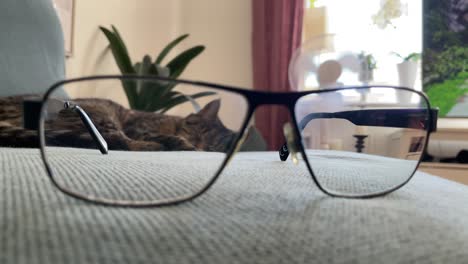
427, 157
462, 156
359, 142
31, 111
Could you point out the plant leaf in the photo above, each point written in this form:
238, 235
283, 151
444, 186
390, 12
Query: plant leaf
137, 66
124, 63
119, 50
413, 56
159, 102
142, 85
130, 91
178, 64
182, 99
145, 66
166, 86
119, 39
169, 47
396, 54
162, 71
156, 91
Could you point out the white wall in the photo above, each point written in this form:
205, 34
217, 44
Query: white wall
223, 26
143, 31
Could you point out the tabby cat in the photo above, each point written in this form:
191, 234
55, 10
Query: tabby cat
122, 128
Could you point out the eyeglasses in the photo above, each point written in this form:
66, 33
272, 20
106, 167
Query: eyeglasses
100, 151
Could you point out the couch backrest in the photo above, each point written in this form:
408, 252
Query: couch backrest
31, 47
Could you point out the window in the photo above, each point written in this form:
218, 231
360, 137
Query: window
352, 22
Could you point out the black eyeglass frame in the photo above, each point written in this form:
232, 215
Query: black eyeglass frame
254, 100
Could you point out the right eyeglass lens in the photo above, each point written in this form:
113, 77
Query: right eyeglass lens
362, 142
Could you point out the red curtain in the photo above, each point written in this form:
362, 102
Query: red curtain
277, 30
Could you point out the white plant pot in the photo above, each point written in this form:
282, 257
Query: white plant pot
407, 72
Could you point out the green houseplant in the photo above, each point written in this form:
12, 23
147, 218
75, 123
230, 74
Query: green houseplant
415, 56
153, 96
367, 65
408, 69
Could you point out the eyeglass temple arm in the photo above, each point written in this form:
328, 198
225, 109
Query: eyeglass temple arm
404, 118
97, 137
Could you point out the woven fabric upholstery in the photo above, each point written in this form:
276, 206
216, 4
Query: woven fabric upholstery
148, 176
260, 211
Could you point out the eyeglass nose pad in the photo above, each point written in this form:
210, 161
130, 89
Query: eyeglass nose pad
291, 142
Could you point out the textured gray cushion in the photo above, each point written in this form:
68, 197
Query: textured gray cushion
259, 211
148, 176
31, 47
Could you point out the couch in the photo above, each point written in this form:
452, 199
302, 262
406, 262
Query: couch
261, 210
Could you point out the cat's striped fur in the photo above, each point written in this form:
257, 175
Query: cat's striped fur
123, 129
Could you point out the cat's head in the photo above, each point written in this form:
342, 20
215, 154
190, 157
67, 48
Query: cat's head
206, 131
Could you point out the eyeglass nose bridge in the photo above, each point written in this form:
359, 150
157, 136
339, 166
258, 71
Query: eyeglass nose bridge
288, 100
258, 98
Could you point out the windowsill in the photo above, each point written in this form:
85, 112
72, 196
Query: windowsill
452, 125
449, 171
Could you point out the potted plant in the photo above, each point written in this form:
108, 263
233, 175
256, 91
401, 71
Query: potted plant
367, 64
153, 96
407, 69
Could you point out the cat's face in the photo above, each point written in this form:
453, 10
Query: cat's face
206, 131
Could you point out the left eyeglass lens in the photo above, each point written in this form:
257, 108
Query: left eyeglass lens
169, 149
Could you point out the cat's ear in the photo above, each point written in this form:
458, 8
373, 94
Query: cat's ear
210, 111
